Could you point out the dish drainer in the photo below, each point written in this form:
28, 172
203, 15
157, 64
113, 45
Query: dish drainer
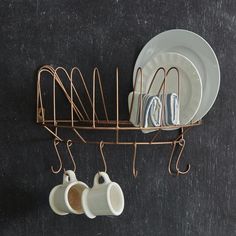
81, 119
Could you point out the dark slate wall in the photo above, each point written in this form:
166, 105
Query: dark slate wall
106, 34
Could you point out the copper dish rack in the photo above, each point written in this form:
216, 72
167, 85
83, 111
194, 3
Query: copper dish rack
80, 119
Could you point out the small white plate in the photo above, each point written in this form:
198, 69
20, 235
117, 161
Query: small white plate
190, 91
196, 49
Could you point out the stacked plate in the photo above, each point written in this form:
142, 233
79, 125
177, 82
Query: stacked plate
198, 70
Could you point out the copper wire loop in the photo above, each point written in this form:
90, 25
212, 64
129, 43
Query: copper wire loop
80, 118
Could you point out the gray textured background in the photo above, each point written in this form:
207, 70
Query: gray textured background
106, 34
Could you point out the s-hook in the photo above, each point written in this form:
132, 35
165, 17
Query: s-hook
135, 172
56, 142
101, 145
68, 145
181, 143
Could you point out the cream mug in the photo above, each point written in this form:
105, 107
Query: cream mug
66, 198
103, 199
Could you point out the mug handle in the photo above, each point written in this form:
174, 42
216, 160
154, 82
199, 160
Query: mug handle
104, 175
69, 176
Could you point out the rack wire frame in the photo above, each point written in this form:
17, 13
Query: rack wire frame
80, 119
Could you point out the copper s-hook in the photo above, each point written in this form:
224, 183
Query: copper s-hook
68, 145
178, 171
56, 142
171, 157
135, 172
182, 144
101, 145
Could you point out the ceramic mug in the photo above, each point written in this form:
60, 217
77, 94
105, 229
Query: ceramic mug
66, 198
103, 199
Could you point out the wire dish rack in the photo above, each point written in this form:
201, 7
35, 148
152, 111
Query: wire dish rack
85, 115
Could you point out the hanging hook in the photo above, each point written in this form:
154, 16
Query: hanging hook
68, 145
56, 142
171, 157
182, 145
101, 145
135, 172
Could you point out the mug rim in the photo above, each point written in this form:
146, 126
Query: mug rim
52, 204
115, 212
70, 185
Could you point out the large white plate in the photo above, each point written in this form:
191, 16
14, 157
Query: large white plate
190, 91
196, 49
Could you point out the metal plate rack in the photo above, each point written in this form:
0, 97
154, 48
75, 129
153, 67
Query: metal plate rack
79, 118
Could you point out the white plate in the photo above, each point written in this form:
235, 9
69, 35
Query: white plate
196, 49
190, 93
